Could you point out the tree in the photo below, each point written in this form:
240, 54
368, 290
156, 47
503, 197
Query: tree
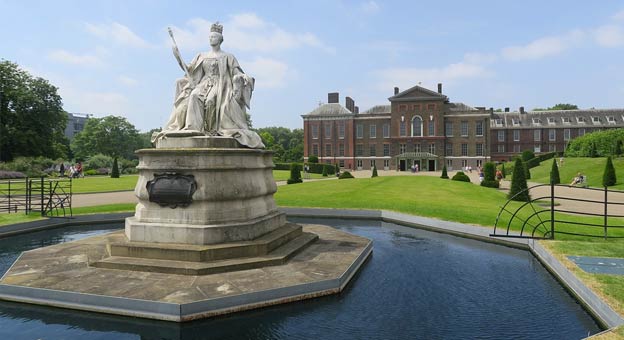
503, 170
527, 155
489, 171
444, 173
112, 136
295, 174
593, 150
527, 171
560, 106
608, 177
313, 159
617, 150
115, 171
324, 171
554, 173
286, 144
32, 120
374, 171
519, 190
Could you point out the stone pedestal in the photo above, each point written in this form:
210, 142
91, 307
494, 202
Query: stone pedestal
231, 198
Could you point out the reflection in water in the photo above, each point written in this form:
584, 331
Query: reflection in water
417, 285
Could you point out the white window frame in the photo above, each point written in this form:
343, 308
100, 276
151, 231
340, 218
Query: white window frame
516, 135
372, 133
421, 126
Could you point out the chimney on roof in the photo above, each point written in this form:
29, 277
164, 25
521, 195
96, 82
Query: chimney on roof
506, 109
333, 98
522, 109
396, 90
357, 109
350, 104
440, 88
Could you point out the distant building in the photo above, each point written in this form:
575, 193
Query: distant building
422, 128
75, 123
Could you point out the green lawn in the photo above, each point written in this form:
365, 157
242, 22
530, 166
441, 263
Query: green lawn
283, 175
593, 168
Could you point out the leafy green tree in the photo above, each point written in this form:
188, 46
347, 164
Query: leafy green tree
313, 159
115, 171
287, 145
112, 136
608, 177
489, 171
617, 150
32, 120
560, 106
519, 190
374, 171
444, 173
554, 173
598, 143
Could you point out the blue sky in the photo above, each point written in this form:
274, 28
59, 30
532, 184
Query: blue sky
114, 57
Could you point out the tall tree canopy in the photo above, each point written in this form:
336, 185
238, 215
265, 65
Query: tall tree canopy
32, 120
560, 106
287, 144
111, 135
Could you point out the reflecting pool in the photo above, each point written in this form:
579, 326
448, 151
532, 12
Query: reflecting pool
416, 285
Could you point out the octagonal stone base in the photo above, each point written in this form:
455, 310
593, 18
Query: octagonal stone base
61, 276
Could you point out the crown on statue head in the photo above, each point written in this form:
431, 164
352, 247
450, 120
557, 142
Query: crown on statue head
216, 27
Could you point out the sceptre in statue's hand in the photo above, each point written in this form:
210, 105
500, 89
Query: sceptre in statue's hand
177, 55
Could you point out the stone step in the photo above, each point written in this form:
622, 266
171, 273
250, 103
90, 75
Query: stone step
276, 257
203, 253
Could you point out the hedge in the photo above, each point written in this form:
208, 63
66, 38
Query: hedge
315, 168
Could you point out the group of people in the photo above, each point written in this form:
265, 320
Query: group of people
415, 168
74, 171
578, 179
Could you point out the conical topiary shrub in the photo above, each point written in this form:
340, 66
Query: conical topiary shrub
324, 171
608, 178
115, 171
554, 173
503, 172
295, 174
374, 171
527, 172
444, 173
519, 190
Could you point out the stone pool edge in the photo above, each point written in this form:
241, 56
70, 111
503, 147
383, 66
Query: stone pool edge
599, 309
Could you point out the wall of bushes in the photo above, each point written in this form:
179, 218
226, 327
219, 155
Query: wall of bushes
315, 168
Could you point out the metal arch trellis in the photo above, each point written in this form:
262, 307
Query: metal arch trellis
539, 218
49, 197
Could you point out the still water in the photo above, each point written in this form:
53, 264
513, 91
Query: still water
416, 285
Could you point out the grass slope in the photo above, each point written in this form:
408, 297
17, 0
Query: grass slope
593, 168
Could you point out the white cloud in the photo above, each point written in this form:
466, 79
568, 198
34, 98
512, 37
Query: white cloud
269, 73
117, 33
544, 47
609, 36
99, 103
480, 58
246, 32
66, 57
619, 16
128, 81
428, 77
369, 7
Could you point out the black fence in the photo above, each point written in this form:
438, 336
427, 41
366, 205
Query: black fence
48, 197
564, 210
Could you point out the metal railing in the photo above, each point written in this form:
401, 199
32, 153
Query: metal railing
49, 197
548, 214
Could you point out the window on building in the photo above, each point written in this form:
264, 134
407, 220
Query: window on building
537, 148
341, 129
417, 148
328, 149
341, 163
341, 150
431, 106
386, 163
501, 135
595, 119
516, 135
372, 150
402, 129
416, 126
386, 150
449, 163
359, 150
498, 121
448, 126
359, 131
611, 119
566, 134
479, 150
431, 128
500, 148
537, 135
358, 163
372, 163
401, 148
581, 120
416, 107
516, 148
373, 131
565, 120
402, 108
464, 149
315, 150
552, 147
449, 149
432, 148
551, 121
515, 121
386, 130
537, 121
581, 132
328, 130
479, 128
479, 163
314, 131
552, 135
464, 163
464, 129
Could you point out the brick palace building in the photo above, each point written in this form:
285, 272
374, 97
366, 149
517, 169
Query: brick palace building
423, 128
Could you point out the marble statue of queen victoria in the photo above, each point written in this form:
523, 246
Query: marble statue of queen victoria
212, 96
